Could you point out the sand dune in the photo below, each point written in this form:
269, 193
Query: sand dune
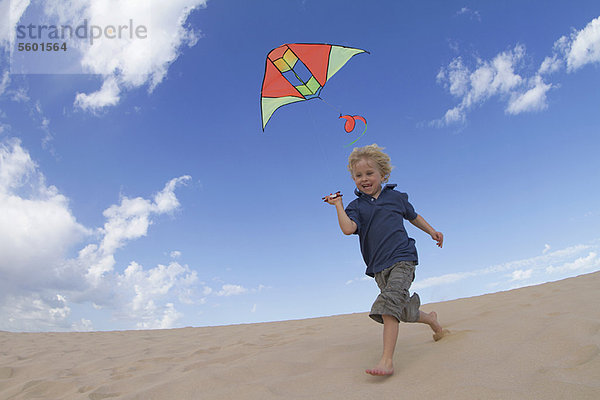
540, 342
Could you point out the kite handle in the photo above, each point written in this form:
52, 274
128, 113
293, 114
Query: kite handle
332, 196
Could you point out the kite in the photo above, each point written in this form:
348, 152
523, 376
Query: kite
298, 71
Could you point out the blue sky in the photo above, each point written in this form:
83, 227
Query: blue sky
141, 192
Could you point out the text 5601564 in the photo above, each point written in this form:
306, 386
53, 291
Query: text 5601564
43, 46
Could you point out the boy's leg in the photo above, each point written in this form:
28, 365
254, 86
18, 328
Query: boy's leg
390, 336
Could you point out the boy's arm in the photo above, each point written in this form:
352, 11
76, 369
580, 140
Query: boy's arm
420, 223
346, 224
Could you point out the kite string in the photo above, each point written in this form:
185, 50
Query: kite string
324, 153
330, 105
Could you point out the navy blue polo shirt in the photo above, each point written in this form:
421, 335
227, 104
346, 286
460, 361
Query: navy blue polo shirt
380, 228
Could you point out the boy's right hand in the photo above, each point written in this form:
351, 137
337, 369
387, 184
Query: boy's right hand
333, 199
346, 224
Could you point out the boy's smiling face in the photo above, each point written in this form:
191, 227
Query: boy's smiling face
367, 177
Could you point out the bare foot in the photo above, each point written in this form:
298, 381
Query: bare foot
431, 320
437, 336
438, 331
382, 369
434, 324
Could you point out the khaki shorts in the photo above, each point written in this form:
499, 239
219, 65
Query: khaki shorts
394, 298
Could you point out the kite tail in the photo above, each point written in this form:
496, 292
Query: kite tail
361, 135
353, 119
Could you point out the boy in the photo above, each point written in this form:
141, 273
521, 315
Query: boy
391, 256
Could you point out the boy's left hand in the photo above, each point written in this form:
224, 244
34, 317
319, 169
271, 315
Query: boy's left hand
438, 237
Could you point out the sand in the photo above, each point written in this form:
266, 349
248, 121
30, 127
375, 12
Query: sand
539, 342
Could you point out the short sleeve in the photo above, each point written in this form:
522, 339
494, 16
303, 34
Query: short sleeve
353, 214
410, 213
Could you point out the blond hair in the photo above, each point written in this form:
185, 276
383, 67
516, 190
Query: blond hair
373, 153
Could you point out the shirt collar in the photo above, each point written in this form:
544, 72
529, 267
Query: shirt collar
389, 186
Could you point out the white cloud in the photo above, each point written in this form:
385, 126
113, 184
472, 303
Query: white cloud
574, 51
498, 77
457, 76
232, 290
146, 290
495, 77
127, 221
581, 264
147, 285
520, 275
533, 99
456, 114
491, 78
4, 82
547, 248
444, 279
123, 63
550, 65
168, 319
16, 166
360, 279
35, 312
19, 95
129, 63
108, 95
472, 14
37, 227
584, 46
569, 260
175, 254
83, 325
40, 281
11, 12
